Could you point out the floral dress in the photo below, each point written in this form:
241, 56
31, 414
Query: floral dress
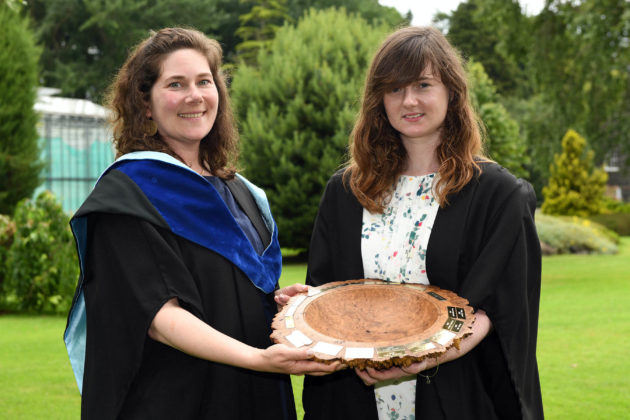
394, 248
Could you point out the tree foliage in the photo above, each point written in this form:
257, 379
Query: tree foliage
259, 26
494, 33
575, 187
503, 141
86, 41
297, 110
19, 150
582, 68
370, 10
565, 67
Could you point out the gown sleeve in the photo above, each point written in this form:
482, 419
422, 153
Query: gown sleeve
501, 274
133, 268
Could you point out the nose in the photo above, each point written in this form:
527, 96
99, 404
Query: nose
194, 96
409, 97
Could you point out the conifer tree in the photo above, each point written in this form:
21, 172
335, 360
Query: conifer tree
259, 26
296, 111
575, 187
19, 151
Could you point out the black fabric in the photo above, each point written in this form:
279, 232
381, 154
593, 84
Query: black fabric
236, 208
135, 267
244, 198
484, 247
128, 198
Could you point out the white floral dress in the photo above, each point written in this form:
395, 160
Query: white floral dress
394, 248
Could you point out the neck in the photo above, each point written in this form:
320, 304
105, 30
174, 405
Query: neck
421, 157
190, 156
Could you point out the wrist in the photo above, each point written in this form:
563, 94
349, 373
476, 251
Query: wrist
255, 359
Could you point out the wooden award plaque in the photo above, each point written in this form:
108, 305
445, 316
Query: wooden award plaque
374, 323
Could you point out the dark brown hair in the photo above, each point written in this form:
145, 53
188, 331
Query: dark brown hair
130, 92
377, 155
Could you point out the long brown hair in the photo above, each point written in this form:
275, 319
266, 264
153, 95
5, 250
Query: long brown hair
130, 92
377, 155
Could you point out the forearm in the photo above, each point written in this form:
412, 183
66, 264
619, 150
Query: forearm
178, 328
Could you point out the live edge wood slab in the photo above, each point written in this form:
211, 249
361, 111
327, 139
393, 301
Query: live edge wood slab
374, 323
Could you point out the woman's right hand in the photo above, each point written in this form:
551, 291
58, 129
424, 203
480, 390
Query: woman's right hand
281, 358
282, 296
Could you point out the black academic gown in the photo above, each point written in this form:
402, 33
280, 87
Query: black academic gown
484, 247
133, 264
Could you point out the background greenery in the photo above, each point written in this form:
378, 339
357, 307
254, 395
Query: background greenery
19, 152
296, 78
582, 346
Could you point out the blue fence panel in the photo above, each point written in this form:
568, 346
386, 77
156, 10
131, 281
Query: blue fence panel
76, 151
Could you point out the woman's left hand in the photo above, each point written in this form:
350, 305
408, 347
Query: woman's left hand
371, 376
480, 329
283, 295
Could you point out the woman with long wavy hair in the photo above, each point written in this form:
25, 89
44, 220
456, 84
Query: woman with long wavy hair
418, 202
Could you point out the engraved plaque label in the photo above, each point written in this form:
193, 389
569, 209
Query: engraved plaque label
453, 325
435, 295
420, 346
390, 351
455, 312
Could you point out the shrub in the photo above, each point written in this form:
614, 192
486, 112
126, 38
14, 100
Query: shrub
564, 235
610, 205
575, 186
617, 222
7, 231
41, 264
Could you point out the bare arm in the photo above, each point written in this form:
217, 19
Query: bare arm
178, 328
480, 330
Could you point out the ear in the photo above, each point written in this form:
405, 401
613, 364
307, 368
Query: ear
148, 114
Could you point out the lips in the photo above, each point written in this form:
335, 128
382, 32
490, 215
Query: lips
413, 117
191, 115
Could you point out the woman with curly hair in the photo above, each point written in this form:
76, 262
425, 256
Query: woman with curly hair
179, 255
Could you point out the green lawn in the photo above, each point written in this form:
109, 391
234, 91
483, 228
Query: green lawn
582, 349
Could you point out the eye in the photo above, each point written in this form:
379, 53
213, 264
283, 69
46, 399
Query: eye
423, 85
175, 85
205, 82
396, 90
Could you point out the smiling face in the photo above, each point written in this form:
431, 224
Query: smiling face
184, 99
417, 111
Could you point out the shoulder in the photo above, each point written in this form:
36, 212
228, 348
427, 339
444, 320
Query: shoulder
338, 195
497, 183
339, 182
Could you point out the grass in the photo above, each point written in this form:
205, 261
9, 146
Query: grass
582, 346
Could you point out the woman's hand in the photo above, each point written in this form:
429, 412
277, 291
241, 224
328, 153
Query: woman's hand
371, 376
280, 358
480, 329
283, 295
